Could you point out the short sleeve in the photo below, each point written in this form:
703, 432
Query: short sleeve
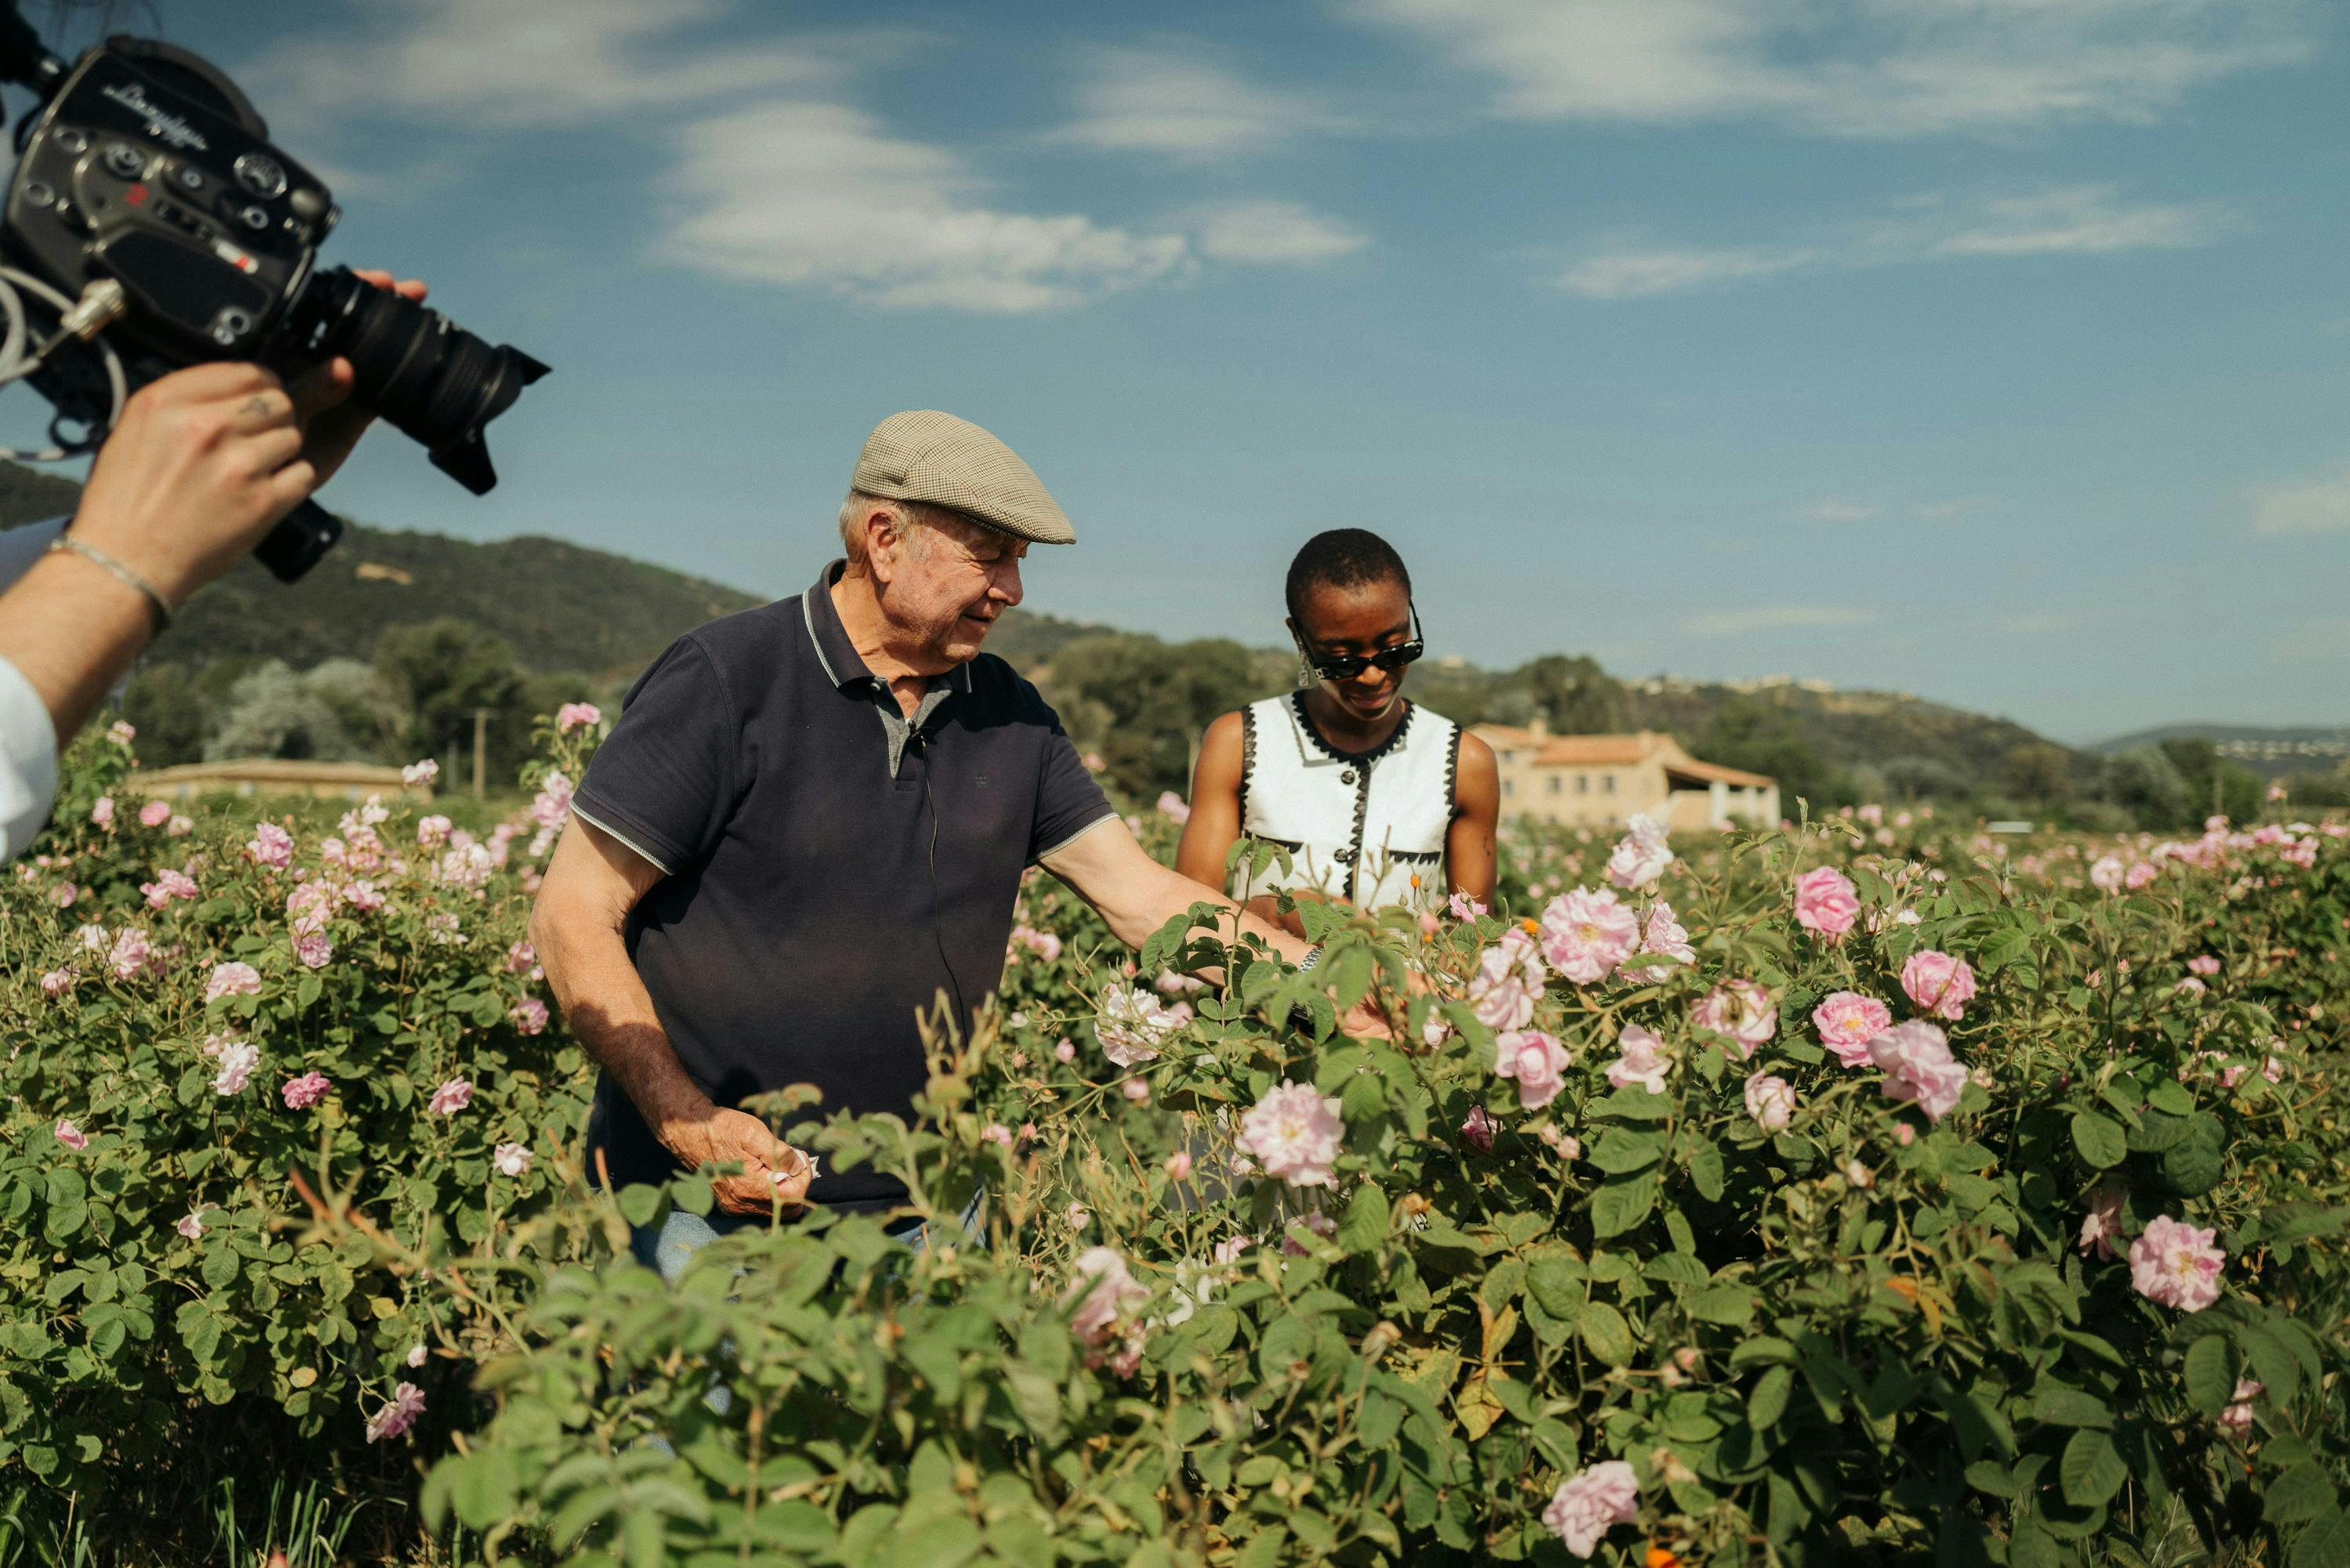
1068, 800
663, 783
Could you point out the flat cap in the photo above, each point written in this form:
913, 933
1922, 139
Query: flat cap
925, 455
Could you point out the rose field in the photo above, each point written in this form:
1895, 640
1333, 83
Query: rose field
1868, 1190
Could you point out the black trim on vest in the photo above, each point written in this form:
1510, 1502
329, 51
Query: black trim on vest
1395, 739
1248, 760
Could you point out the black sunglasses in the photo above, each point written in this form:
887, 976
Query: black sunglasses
1347, 666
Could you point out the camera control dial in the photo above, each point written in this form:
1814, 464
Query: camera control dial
125, 160
261, 175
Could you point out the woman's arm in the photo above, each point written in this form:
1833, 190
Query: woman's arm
1215, 822
1476, 811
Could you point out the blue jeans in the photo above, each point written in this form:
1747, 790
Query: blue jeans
668, 1247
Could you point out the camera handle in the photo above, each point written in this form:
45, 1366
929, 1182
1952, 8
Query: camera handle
301, 536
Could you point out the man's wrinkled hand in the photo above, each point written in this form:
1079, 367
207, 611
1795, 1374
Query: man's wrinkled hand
772, 1171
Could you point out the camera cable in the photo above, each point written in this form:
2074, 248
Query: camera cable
100, 304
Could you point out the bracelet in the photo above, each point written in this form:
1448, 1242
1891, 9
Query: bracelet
157, 610
1312, 956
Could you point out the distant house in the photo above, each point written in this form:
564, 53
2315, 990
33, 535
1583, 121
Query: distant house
1599, 781
329, 781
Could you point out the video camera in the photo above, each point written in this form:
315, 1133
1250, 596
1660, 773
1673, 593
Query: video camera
151, 219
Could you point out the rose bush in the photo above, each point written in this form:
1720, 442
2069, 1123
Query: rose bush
1700, 1206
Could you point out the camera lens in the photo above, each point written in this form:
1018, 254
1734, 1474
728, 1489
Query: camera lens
419, 371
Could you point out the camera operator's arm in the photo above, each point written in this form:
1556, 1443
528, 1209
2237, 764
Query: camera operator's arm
578, 930
202, 463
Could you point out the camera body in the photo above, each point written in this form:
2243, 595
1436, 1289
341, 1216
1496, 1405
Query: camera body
126, 173
145, 167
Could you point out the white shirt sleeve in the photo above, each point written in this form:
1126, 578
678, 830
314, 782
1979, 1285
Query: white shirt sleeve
28, 762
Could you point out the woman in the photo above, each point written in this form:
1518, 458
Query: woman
1378, 801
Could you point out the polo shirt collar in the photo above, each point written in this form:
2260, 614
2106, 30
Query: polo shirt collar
843, 665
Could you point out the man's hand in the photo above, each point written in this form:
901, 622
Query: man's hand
772, 1169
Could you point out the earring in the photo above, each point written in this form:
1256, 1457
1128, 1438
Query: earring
1305, 675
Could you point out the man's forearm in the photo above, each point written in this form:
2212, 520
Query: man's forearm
1176, 893
612, 1016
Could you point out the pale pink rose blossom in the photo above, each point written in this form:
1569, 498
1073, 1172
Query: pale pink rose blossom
300, 1094
1294, 1133
466, 866
1940, 984
1643, 1061
1560, 1143
120, 731
551, 807
363, 896
1106, 1322
270, 845
1770, 1100
313, 949
1066, 1050
1586, 934
2236, 1419
1918, 1066
1642, 855
2273, 1070
1508, 982
190, 1224
571, 715
511, 1159
2102, 1224
1477, 1130
1847, 1021
1825, 903
168, 886
1137, 1090
1859, 1174
2140, 873
2190, 986
1172, 807
1077, 1216
450, 1097
432, 832
1132, 1025
2203, 964
1179, 1165
180, 826
131, 954
415, 1355
155, 814
1461, 907
236, 1064
1228, 1250
64, 895
1170, 984
1536, 1061
1590, 1502
72, 1137
2107, 874
2176, 1264
394, 1420
102, 814
1903, 1133
529, 1015
422, 773
521, 956
1663, 936
1739, 1009
58, 981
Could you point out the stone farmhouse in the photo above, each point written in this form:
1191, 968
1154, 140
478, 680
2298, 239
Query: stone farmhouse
1600, 781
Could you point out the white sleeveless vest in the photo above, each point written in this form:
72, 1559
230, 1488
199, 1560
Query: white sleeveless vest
1357, 827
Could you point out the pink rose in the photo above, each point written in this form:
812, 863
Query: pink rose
1586, 934
1643, 1061
2236, 1419
1590, 1502
1106, 1321
571, 715
1172, 807
1939, 985
1847, 1021
1179, 1165
300, 1094
1508, 982
72, 1137
394, 1420
270, 845
422, 773
1294, 1133
1918, 1066
2102, 1222
102, 813
155, 814
1477, 1130
1739, 1009
1642, 856
1461, 907
1536, 1061
2204, 964
449, 1097
529, 1015
1825, 903
511, 1159
1771, 1101
2176, 1264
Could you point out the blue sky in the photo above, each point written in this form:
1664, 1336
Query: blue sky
1993, 349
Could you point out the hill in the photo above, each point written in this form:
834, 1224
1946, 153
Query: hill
2269, 751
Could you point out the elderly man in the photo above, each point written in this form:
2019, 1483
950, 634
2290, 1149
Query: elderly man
811, 820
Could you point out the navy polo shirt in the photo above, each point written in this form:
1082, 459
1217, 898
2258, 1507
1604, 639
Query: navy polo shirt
830, 868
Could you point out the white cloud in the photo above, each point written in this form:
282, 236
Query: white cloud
1773, 617
1275, 234
1850, 67
515, 63
2070, 220
1179, 103
1836, 509
818, 195
2309, 506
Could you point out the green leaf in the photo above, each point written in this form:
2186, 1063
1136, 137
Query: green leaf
640, 1204
2099, 1138
2062, 1407
1556, 1283
2210, 1374
2305, 1491
2325, 1544
1705, 1172
2194, 1164
1366, 1224
1769, 1400
2091, 1469
1731, 1304
1623, 1203
1607, 1334
2170, 1095
1621, 1150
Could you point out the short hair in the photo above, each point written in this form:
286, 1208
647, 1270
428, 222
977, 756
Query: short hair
1343, 558
911, 516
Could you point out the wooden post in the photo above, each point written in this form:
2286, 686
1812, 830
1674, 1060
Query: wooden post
480, 761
